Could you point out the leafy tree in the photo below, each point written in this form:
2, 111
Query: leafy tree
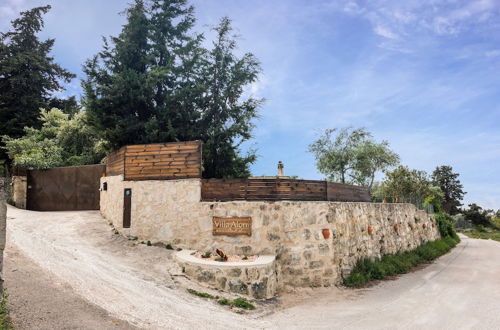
227, 117
373, 157
405, 185
449, 183
337, 155
59, 142
351, 155
28, 74
156, 83
435, 197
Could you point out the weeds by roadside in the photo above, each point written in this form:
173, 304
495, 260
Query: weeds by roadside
4, 313
201, 294
400, 263
238, 302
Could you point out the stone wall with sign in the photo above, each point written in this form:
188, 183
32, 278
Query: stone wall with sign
315, 243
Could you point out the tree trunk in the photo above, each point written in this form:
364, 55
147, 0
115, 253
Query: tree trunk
3, 225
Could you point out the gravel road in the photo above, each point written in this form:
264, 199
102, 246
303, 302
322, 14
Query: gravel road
76, 274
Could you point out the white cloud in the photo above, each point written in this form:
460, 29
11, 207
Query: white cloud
385, 32
493, 53
9, 11
400, 22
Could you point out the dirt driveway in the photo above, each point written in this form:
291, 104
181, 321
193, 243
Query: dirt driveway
67, 270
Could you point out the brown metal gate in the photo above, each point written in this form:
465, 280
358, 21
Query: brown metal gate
64, 188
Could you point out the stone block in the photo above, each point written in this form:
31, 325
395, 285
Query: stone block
237, 286
259, 289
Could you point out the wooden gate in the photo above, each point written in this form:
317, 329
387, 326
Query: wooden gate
64, 188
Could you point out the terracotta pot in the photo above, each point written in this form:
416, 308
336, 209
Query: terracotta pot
326, 233
395, 228
433, 225
411, 227
370, 230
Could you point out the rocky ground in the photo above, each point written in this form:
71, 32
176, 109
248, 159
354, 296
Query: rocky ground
67, 270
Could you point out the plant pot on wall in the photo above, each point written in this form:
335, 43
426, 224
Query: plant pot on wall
370, 230
326, 233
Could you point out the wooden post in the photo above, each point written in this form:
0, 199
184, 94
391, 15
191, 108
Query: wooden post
127, 207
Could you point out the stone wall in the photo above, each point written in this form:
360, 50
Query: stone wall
256, 279
19, 191
315, 243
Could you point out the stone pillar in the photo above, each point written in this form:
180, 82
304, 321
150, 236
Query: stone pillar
281, 169
19, 191
3, 225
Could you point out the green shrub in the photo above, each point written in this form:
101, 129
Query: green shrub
480, 228
169, 247
445, 225
366, 269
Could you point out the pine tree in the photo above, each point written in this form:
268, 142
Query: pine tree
28, 74
156, 83
118, 91
449, 183
177, 64
227, 118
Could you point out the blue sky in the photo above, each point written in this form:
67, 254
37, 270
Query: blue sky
421, 74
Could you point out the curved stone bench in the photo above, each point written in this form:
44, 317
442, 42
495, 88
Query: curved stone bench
256, 278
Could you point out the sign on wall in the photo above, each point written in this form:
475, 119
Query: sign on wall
232, 226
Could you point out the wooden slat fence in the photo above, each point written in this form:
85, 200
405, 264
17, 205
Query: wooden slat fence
347, 193
159, 161
280, 189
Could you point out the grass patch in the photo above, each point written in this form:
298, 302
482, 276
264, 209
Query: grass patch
224, 302
4, 313
400, 263
238, 302
484, 233
201, 294
242, 303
